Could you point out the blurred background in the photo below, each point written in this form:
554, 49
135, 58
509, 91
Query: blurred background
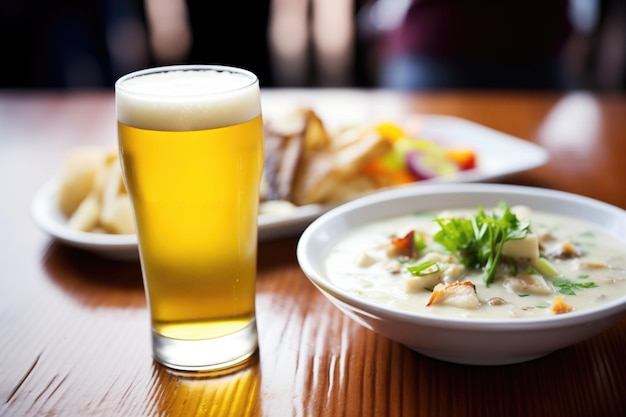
404, 44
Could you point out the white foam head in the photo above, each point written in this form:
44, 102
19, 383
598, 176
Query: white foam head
191, 97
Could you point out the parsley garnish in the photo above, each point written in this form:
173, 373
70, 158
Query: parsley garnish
567, 287
479, 241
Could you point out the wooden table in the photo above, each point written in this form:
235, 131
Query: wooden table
74, 332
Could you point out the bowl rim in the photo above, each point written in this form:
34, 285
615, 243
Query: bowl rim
329, 290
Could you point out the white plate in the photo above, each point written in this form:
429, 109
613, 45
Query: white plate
499, 155
49, 218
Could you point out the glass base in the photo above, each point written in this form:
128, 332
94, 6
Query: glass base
206, 355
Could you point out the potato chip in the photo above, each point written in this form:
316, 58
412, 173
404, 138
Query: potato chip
117, 216
92, 193
77, 177
85, 218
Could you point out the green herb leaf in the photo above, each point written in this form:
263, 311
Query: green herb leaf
567, 287
479, 241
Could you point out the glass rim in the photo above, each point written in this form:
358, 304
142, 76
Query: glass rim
119, 83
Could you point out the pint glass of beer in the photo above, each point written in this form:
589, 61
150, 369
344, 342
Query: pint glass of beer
191, 147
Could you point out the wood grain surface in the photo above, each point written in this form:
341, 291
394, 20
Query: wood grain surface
74, 329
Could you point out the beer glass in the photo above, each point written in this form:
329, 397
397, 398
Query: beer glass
191, 147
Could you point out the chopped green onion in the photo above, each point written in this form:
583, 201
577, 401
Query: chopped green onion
419, 242
425, 268
545, 268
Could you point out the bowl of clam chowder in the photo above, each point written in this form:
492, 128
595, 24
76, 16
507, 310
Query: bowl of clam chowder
478, 274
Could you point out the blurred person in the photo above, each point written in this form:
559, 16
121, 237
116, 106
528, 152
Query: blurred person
312, 42
230, 32
601, 36
207, 32
486, 44
169, 33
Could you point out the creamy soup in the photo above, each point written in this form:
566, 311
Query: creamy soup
561, 265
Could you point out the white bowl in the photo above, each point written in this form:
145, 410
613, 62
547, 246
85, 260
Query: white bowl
462, 340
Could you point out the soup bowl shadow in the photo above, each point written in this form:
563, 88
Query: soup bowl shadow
462, 340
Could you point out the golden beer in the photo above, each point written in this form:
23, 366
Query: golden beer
192, 160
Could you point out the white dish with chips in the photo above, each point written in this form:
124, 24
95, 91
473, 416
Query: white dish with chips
48, 216
499, 155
